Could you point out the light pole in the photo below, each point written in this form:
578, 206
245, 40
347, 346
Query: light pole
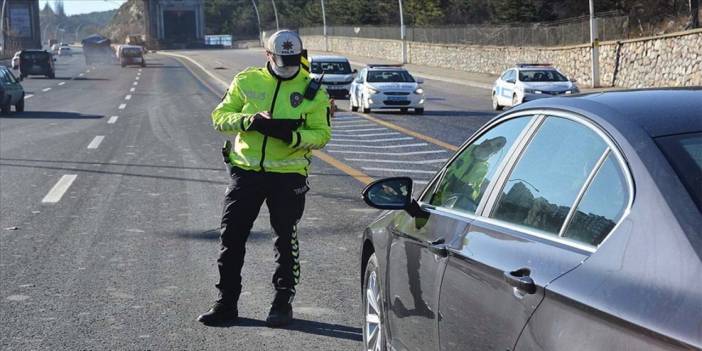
324, 22
77, 30
594, 47
258, 20
2, 26
275, 11
402, 34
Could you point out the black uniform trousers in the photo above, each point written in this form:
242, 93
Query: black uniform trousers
284, 194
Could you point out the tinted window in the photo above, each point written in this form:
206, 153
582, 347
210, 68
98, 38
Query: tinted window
549, 175
601, 206
505, 75
330, 67
684, 152
544, 75
467, 177
389, 77
511, 75
35, 55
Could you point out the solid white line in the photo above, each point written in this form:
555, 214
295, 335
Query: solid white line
128, 97
131, 89
379, 146
355, 125
372, 134
46, 89
374, 140
389, 153
56, 193
396, 170
362, 130
112, 120
28, 96
136, 83
122, 106
422, 162
62, 83
96, 142
348, 119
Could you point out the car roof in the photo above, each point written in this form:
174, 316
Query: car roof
659, 111
330, 58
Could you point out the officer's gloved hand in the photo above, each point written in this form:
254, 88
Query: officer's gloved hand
277, 128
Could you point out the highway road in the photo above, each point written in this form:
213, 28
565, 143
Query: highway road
111, 186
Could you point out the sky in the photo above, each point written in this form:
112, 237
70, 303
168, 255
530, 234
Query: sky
74, 7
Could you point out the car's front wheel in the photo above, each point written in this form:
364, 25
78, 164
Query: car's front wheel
515, 100
374, 325
495, 104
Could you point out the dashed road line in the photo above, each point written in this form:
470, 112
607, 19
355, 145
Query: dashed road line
128, 97
373, 160
362, 130
372, 140
131, 90
28, 96
135, 83
372, 134
82, 74
137, 78
96, 142
354, 125
61, 83
56, 193
122, 106
112, 120
397, 170
46, 89
409, 153
377, 146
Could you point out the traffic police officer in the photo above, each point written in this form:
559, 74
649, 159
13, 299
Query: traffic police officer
275, 118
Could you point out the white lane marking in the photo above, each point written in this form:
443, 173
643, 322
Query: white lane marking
96, 142
139, 69
346, 118
138, 73
136, 83
373, 160
373, 140
355, 125
389, 153
28, 96
82, 74
372, 134
112, 120
56, 193
379, 146
396, 170
122, 106
336, 120
62, 83
128, 97
46, 89
131, 90
137, 78
362, 130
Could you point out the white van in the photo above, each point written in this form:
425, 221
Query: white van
337, 74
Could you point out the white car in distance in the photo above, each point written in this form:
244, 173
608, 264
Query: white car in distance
336, 74
381, 86
530, 81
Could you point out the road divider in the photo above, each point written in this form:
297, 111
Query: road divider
96, 142
56, 193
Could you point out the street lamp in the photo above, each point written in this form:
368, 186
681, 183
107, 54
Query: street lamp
275, 11
324, 22
2, 26
402, 34
594, 47
258, 19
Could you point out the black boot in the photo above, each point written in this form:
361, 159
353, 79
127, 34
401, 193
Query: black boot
220, 313
281, 313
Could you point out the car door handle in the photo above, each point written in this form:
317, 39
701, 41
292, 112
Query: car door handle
438, 247
521, 280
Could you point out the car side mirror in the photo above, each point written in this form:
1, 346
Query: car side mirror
389, 194
354, 71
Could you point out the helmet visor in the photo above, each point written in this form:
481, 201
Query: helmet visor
286, 60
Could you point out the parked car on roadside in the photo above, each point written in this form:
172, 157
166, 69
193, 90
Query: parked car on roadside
11, 92
336, 74
36, 62
15, 60
530, 81
564, 223
381, 86
65, 51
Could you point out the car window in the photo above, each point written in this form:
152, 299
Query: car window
389, 77
511, 75
505, 74
542, 75
684, 152
547, 178
4, 76
318, 67
601, 206
465, 180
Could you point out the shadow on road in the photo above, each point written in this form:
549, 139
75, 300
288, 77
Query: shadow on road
306, 326
50, 115
83, 78
213, 234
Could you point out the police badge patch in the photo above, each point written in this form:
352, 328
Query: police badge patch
295, 99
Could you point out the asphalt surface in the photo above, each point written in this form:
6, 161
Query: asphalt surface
124, 259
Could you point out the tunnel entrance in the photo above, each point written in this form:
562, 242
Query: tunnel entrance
179, 26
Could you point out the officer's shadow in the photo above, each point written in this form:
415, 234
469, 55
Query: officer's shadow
305, 326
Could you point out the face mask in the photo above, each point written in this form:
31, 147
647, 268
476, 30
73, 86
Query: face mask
285, 71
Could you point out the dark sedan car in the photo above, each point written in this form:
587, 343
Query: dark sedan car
571, 223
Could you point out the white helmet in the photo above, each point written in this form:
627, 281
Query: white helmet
286, 48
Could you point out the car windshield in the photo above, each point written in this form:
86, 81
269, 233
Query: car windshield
684, 152
34, 55
542, 75
389, 77
131, 52
330, 67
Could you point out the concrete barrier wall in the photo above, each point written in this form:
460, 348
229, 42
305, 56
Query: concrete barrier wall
668, 60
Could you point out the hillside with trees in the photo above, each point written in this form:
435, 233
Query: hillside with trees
56, 25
